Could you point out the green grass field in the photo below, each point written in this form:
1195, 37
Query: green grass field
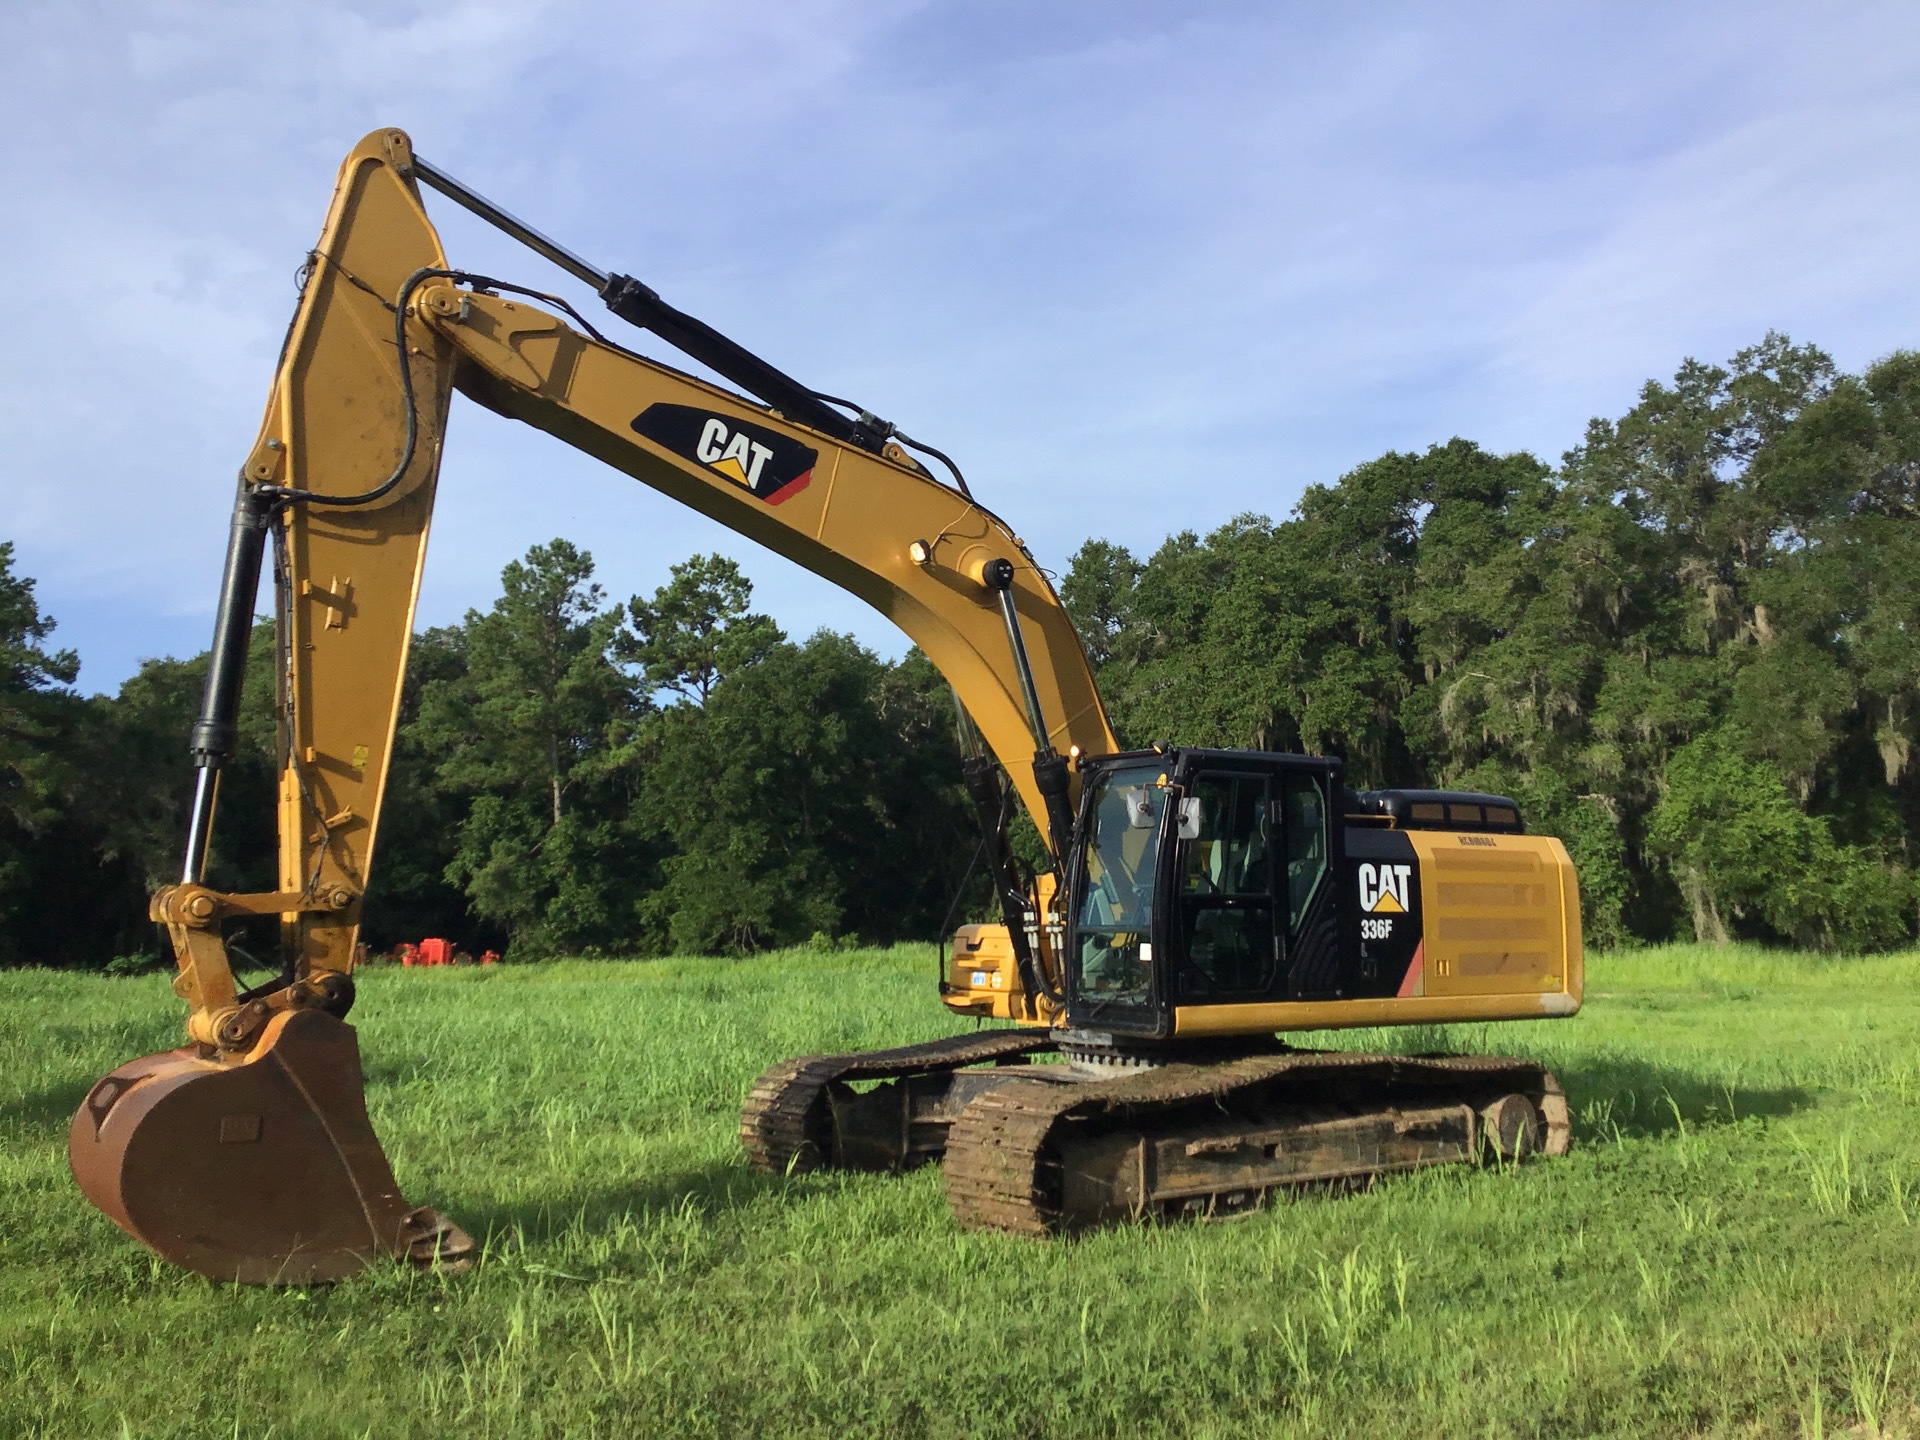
1733, 1247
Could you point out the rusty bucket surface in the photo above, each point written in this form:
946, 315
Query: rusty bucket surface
264, 1170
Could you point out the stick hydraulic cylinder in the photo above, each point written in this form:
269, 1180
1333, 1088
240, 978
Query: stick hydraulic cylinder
217, 730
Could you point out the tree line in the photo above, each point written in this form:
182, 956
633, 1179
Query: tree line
570, 777
1691, 650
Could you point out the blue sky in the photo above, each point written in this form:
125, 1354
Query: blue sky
1137, 267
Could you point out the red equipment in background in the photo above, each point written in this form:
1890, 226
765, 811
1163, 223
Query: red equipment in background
433, 952
438, 952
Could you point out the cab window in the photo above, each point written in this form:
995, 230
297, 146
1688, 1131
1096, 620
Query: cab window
1304, 803
1115, 921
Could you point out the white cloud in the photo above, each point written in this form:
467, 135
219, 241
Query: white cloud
1137, 269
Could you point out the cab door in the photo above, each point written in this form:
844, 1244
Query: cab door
1229, 948
1316, 967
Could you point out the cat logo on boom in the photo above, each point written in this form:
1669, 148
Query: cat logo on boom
1386, 889
770, 466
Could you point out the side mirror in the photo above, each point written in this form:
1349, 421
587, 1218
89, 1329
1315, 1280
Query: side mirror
1190, 818
1139, 810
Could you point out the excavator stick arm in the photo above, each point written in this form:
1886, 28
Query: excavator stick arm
248, 1156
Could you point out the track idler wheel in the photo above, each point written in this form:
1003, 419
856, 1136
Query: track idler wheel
263, 1170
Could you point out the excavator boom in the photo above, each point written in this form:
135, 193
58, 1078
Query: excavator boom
248, 1154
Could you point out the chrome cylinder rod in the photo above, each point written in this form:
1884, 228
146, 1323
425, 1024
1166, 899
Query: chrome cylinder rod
512, 225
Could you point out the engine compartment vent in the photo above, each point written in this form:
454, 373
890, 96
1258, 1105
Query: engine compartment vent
1438, 810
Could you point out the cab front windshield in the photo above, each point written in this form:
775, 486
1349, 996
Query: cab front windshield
1116, 899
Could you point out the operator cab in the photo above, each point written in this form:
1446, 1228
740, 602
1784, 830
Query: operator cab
1202, 877
1232, 877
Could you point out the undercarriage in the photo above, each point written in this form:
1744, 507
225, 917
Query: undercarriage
1045, 1134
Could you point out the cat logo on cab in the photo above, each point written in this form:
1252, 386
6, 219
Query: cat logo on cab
1386, 889
763, 462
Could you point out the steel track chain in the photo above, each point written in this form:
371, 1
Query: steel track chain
998, 1151
784, 1124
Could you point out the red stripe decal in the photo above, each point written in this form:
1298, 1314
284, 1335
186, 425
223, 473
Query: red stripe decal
1416, 974
790, 489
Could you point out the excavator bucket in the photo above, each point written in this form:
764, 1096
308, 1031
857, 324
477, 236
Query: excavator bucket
263, 1170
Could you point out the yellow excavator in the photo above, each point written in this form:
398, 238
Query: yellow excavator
1194, 906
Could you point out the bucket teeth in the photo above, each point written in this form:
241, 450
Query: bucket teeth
435, 1243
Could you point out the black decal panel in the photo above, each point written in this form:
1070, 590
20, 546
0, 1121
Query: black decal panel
771, 466
1383, 884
